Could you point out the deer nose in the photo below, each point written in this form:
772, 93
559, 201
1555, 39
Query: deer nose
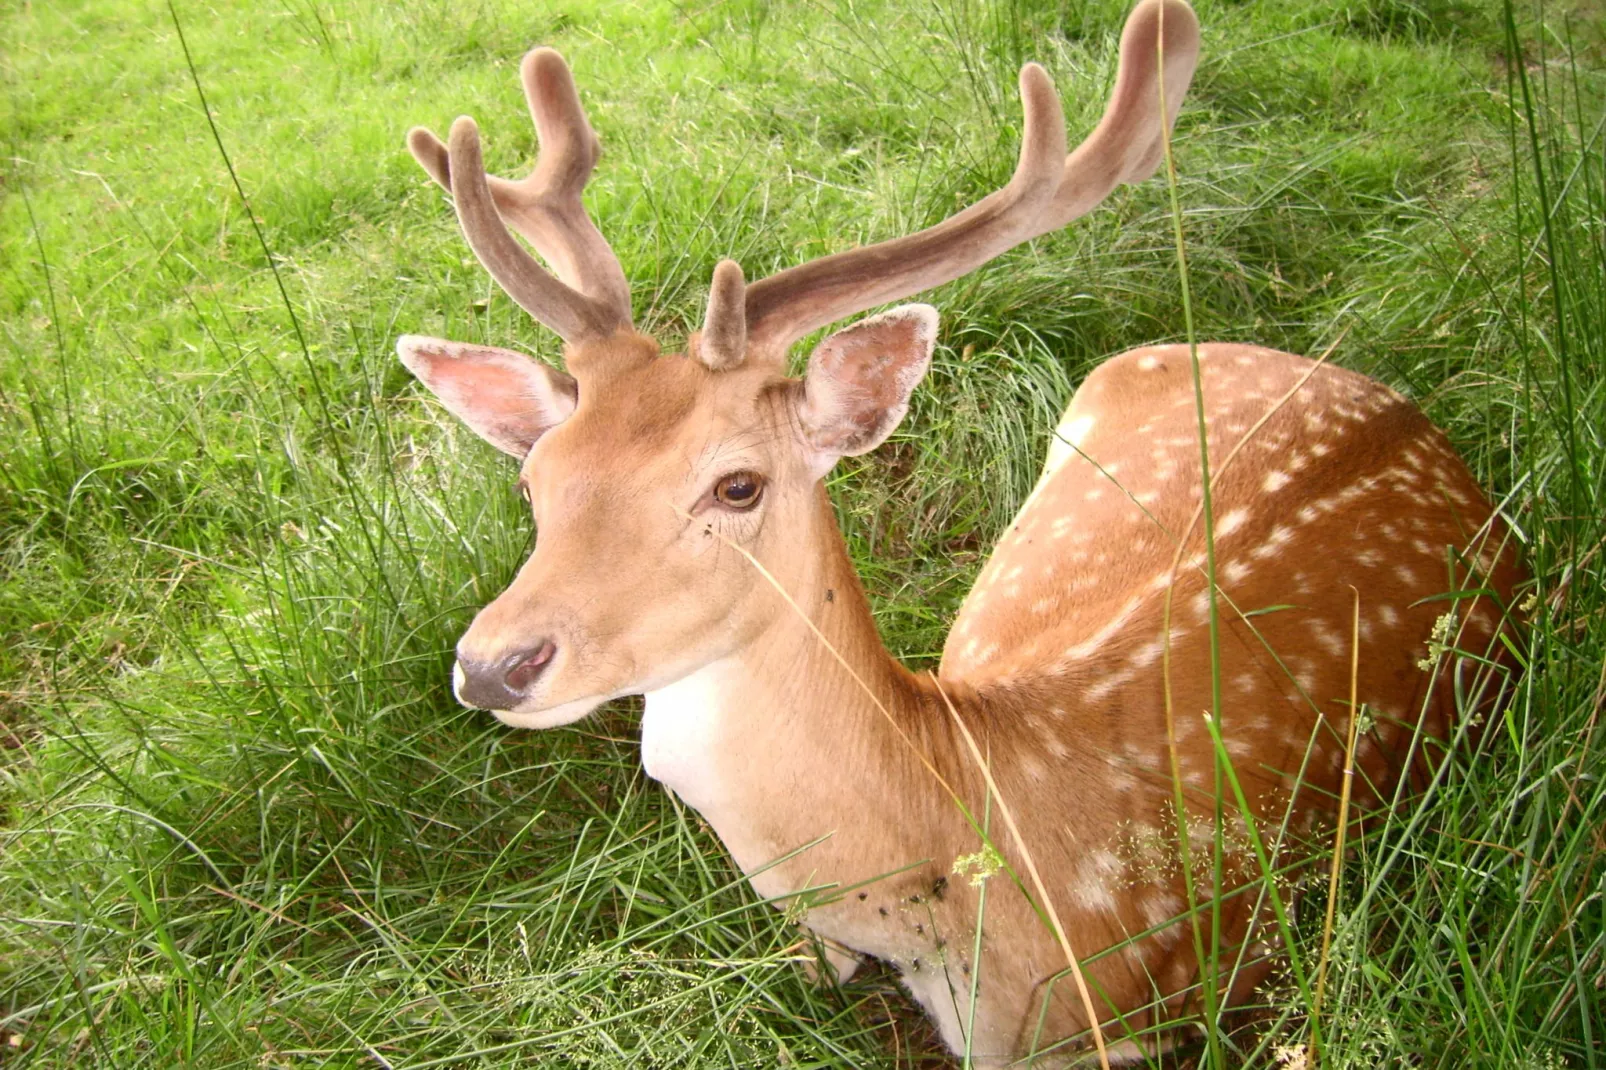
500, 684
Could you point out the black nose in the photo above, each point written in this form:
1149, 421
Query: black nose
501, 684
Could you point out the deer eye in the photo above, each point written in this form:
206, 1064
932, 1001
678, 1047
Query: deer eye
739, 490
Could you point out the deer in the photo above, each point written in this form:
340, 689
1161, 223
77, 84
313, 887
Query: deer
1121, 647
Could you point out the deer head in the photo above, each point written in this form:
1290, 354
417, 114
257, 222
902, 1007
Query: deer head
643, 470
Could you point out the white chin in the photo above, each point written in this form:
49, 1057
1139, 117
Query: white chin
552, 716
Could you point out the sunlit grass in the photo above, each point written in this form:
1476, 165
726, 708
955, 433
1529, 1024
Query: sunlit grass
245, 824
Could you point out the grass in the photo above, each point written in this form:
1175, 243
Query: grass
244, 822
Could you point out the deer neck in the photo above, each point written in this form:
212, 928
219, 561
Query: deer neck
781, 744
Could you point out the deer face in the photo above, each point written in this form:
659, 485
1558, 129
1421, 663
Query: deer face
650, 478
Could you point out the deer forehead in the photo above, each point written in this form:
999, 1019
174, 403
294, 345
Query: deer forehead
666, 417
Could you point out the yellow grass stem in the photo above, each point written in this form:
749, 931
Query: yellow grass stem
1343, 809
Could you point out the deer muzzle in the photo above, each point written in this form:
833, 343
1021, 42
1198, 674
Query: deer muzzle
501, 683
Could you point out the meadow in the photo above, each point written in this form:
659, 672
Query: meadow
243, 823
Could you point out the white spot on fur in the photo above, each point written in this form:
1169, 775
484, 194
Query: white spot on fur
1098, 689
1274, 543
1098, 639
1095, 876
1327, 637
1033, 768
1068, 437
1160, 909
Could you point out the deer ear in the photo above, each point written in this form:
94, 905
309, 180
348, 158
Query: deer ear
506, 398
859, 380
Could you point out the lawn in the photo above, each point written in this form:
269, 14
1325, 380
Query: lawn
242, 820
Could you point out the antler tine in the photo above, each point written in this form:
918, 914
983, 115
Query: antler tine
549, 210
1129, 142
786, 306
566, 311
1047, 191
723, 340
545, 206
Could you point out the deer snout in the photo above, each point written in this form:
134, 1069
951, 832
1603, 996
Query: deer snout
501, 683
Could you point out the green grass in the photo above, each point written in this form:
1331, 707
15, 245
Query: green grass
244, 822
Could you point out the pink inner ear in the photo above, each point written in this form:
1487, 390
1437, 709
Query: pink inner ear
504, 397
859, 379
883, 357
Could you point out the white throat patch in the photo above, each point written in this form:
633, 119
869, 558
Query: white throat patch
682, 730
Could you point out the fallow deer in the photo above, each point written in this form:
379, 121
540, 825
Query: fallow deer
687, 551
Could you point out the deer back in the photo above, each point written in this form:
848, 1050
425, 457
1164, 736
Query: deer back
1327, 488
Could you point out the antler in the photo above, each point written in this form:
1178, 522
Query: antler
1047, 191
590, 296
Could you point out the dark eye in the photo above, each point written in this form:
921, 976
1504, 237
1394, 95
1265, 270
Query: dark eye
739, 490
